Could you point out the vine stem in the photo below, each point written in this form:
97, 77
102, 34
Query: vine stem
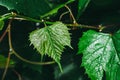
19, 76
3, 35
74, 20
20, 17
48, 22
32, 62
86, 26
6, 67
9, 54
75, 24
63, 14
3, 17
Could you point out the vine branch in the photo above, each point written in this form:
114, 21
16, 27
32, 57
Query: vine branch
74, 20
19, 76
86, 26
20, 17
6, 67
3, 35
63, 14
9, 54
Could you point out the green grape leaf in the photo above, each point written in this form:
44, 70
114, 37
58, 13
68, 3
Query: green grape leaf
51, 40
33, 8
113, 69
82, 5
3, 62
99, 54
1, 24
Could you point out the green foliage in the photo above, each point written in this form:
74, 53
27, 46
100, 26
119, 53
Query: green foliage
100, 54
51, 40
3, 62
82, 5
2, 18
100, 50
32, 8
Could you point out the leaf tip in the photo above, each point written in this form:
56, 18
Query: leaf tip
60, 67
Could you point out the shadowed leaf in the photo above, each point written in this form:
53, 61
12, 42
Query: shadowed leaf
32, 8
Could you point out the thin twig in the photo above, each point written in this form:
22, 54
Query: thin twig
7, 16
8, 60
74, 21
70, 25
3, 35
32, 62
9, 34
20, 17
6, 67
84, 26
63, 14
19, 76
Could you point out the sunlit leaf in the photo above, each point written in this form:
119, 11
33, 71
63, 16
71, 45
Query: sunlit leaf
99, 54
51, 40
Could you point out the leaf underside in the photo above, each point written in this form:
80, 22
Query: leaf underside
51, 40
99, 54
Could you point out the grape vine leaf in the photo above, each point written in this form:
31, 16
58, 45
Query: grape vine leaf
100, 54
33, 8
3, 62
51, 40
82, 5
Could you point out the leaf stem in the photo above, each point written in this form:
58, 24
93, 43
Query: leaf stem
3, 35
60, 67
